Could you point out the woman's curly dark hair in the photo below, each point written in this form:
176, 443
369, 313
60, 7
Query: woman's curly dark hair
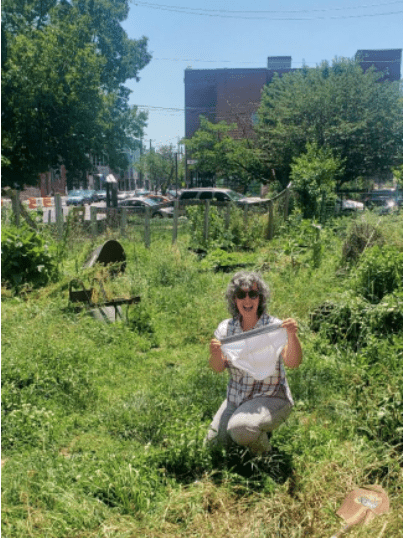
246, 279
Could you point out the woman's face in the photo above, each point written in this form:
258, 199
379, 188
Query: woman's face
247, 306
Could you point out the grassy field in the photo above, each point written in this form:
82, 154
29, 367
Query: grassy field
103, 424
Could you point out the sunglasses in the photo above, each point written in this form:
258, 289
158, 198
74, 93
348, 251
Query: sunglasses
252, 294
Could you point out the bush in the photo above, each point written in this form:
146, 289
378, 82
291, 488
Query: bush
235, 236
26, 259
380, 272
314, 175
361, 236
377, 394
354, 320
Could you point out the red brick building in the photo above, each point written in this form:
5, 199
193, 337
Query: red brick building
388, 61
53, 182
230, 95
233, 95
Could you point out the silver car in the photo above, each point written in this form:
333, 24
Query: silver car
137, 206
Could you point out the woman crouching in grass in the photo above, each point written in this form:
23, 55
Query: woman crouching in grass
254, 407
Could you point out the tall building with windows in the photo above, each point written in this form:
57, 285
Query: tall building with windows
230, 95
233, 95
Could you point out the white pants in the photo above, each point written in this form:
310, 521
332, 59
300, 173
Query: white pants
248, 424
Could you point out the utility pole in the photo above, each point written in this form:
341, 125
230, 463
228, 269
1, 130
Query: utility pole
186, 169
176, 173
151, 174
141, 154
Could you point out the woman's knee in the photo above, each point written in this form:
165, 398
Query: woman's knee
242, 433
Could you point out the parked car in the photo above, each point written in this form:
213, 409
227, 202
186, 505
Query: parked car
173, 193
163, 200
122, 195
138, 206
380, 197
214, 194
386, 206
217, 194
137, 193
142, 192
90, 195
349, 206
75, 198
101, 195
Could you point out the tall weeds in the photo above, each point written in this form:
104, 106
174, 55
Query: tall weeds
103, 424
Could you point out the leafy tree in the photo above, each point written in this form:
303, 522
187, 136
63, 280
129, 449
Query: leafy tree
398, 175
51, 101
63, 93
219, 156
314, 176
339, 107
161, 167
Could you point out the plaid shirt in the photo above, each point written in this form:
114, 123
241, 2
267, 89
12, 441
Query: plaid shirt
242, 386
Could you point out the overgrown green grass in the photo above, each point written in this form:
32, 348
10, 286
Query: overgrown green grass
103, 425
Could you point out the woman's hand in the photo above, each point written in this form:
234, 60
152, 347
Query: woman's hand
217, 360
292, 353
291, 326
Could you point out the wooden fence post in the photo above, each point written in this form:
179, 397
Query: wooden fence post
206, 220
228, 215
59, 216
123, 221
147, 231
175, 222
4, 212
270, 225
286, 203
16, 207
94, 221
245, 215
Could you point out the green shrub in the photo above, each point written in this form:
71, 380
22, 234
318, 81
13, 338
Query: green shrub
26, 259
377, 394
379, 272
360, 236
237, 235
342, 320
352, 319
314, 175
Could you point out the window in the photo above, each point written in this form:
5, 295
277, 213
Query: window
188, 195
206, 195
221, 197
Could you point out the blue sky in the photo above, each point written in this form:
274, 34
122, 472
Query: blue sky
212, 34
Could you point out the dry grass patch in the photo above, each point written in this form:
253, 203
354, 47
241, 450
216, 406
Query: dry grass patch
305, 506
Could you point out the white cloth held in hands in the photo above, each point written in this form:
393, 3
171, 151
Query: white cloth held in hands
257, 352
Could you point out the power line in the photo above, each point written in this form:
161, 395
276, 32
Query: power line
197, 9
250, 63
191, 11
192, 108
